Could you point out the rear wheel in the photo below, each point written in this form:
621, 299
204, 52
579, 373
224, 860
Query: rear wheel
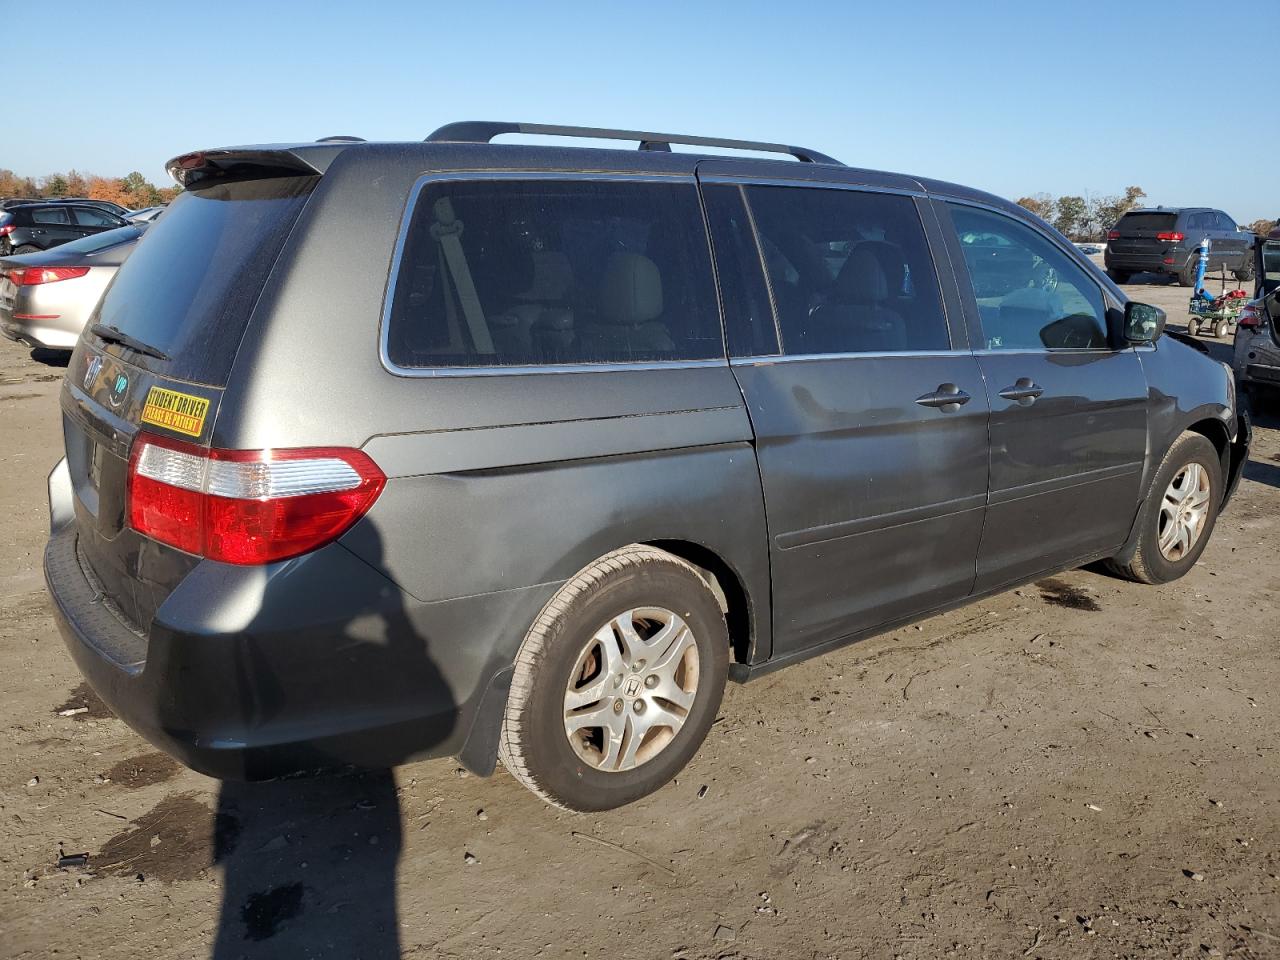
27, 248
1245, 270
1119, 276
1177, 518
617, 682
1187, 275
1221, 329
1193, 327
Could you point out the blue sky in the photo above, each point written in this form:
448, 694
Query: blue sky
1012, 97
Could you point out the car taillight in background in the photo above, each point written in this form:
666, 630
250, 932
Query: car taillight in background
247, 506
1113, 234
33, 276
1172, 236
6, 229
1251, 315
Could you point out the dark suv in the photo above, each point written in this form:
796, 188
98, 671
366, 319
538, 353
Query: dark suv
33, 227
1166, 240
572, 436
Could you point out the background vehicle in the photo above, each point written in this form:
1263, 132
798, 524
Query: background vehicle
146, 214
519, 490
45, 298
1164, 240
31, 228
1257, 345
109, 205
17, 201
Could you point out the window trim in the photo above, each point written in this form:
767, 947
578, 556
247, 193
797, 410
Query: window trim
743, 181
970, 300
430, 373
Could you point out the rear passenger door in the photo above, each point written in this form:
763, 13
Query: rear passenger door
869, 413
1068, 409
52, 225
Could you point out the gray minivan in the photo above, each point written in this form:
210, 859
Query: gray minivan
382, 451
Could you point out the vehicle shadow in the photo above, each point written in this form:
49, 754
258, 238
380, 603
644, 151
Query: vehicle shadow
309, 863
51, 358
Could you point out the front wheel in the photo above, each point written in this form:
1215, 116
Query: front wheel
617, 682
1177, 518
1193, 327
1221, 329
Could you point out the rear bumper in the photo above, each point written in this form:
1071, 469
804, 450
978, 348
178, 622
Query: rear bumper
251, 673
1145, 262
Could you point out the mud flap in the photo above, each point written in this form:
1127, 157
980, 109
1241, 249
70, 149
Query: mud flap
480, 753
1239, 454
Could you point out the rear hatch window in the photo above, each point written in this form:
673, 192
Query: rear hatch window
1146, 224
189, 290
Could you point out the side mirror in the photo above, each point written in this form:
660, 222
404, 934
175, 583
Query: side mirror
1143, 323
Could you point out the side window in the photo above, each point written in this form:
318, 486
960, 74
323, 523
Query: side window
89, 217
1226, 223
849, 271
1201, 221
1030, 294
748, 314
530, 272
50, 215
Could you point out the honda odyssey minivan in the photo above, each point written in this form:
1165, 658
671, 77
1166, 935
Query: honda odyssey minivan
572, 436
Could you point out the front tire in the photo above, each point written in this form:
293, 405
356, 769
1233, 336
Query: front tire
617, 682
1178, 515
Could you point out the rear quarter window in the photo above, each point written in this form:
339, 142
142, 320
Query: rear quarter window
190, 286
499, 273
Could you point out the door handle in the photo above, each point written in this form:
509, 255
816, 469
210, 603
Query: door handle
948, 398
1024, 391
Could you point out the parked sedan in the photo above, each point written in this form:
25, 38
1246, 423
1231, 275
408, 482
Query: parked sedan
46, 297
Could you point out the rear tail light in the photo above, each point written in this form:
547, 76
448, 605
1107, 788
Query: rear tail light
33, 276
1113, 234
247, 506
1250, 316
1167, 260
1174, 236
7, 229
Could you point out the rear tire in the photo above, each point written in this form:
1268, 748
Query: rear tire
1246, 270
1221, 329
1119, 276
26, 248
1193, 327
1187, 275
565, 678
1161, 553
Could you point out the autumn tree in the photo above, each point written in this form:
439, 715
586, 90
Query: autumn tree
54, 185
1107, 211
1071, 216
1041, 204
1260, 227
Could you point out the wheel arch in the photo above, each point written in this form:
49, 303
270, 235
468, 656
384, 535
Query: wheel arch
730, 589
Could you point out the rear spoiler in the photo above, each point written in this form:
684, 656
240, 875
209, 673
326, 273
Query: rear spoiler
206, 167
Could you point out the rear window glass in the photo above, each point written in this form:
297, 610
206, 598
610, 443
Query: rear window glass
97, 242
1156, 222
532, 272
189, 290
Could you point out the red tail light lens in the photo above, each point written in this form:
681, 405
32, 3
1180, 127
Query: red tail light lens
1172, 236
247, 506
1250, 316
33, 276
6, 229
1113, 234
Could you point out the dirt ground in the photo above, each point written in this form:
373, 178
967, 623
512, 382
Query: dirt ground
1081, 768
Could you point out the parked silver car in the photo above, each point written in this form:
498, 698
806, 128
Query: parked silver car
1257, 344
45, 298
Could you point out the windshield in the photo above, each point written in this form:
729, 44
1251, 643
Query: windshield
189, 290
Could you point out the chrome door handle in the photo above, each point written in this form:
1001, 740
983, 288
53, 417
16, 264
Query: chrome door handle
948, 398
1024, 391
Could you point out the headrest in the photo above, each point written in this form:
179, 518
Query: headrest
862, 278
631, 290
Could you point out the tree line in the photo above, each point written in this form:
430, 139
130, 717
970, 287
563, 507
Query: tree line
134, 191
1088, 218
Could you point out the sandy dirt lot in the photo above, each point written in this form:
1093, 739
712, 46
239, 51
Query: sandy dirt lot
1080, 768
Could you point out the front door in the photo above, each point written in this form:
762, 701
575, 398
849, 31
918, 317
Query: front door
1068, 409
868, 408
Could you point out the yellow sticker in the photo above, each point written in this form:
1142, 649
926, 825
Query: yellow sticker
175, 411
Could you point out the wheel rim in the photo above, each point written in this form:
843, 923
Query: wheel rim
631, 689
1183, 512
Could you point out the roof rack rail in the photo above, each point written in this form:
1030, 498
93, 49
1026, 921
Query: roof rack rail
341, 138
482, 131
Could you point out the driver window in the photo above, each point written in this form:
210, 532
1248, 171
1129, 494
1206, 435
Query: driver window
1031, 295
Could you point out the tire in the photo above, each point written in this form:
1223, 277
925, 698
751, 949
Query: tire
585, 770
1246, 269
1187, 275
1221, 329
26, 248
1193, 327
1119, 276
1150, 564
